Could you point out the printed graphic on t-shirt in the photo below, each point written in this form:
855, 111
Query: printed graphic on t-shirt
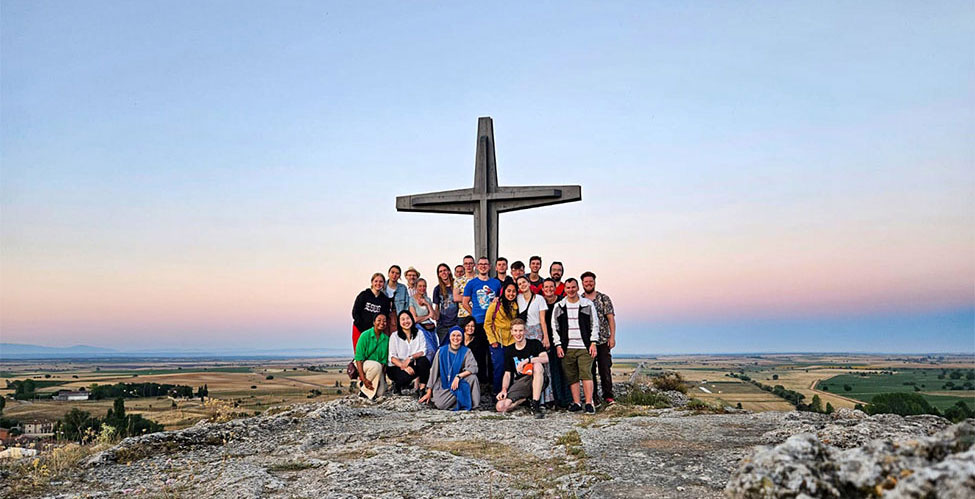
484, 296
373, 308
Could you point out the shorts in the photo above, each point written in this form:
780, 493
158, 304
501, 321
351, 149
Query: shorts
520, 389
577, 365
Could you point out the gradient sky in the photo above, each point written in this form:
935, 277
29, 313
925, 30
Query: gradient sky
782, 176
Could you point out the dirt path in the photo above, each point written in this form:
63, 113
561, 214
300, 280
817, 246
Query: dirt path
317, 385
812, 386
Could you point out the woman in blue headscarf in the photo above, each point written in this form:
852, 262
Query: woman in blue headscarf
453, 381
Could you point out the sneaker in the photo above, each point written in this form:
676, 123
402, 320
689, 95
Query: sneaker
590, 409
610, 401
574, 407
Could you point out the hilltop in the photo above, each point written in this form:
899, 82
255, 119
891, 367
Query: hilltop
351, 448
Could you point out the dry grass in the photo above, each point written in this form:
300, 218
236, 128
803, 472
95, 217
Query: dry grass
32, 476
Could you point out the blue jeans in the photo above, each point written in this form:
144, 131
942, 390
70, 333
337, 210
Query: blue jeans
497, 364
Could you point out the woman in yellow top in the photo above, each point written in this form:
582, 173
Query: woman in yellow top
497, 326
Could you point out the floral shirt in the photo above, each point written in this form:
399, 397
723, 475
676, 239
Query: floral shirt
604, 307
460, 283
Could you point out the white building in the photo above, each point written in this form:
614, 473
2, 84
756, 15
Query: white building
71, 395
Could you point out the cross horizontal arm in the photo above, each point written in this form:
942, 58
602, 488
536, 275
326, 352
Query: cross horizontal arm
455, 201
513, 198
441, 197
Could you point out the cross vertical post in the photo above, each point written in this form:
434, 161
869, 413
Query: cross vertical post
486, 200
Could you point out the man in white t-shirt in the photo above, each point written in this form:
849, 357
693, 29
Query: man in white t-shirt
576, 323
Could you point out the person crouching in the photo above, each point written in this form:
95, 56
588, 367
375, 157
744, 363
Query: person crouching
524, 372
408, 363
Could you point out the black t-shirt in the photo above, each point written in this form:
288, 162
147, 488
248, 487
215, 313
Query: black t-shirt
548, 319
367, 307
507, 280
512, 356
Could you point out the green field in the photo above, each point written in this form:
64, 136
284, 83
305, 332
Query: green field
865, 387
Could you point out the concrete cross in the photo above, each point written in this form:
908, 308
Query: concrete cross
487, 199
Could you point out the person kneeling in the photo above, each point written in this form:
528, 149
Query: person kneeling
452, 383
408, 363
524, 372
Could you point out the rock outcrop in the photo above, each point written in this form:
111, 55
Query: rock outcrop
838, 461
397, 448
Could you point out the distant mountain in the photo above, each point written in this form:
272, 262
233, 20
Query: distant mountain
23, 351
11, 351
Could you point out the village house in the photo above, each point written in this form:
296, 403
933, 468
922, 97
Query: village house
38, 428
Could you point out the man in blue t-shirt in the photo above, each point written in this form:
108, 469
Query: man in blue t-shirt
478, 293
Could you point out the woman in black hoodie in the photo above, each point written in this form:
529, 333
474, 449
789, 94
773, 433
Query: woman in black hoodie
370, 303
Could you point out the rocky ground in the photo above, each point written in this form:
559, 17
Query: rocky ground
396, 448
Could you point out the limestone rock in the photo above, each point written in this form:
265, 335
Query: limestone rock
908, 465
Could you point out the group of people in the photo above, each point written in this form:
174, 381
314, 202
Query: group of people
526, 339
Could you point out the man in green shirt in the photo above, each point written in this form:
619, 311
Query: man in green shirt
371, 356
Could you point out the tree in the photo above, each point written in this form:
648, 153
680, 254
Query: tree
202, 392
829, 408
955, 375
738, 405
847, 388
902, 404
3, 403
75, 425
774, 376
816, 405
959, 412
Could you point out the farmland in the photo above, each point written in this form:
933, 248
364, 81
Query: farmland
241, 388
805, 373
929, 383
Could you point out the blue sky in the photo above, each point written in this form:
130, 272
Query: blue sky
194, 173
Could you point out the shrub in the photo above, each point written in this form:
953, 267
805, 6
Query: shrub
847, 388
642, 396
700, 405
269, 376
670, 381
